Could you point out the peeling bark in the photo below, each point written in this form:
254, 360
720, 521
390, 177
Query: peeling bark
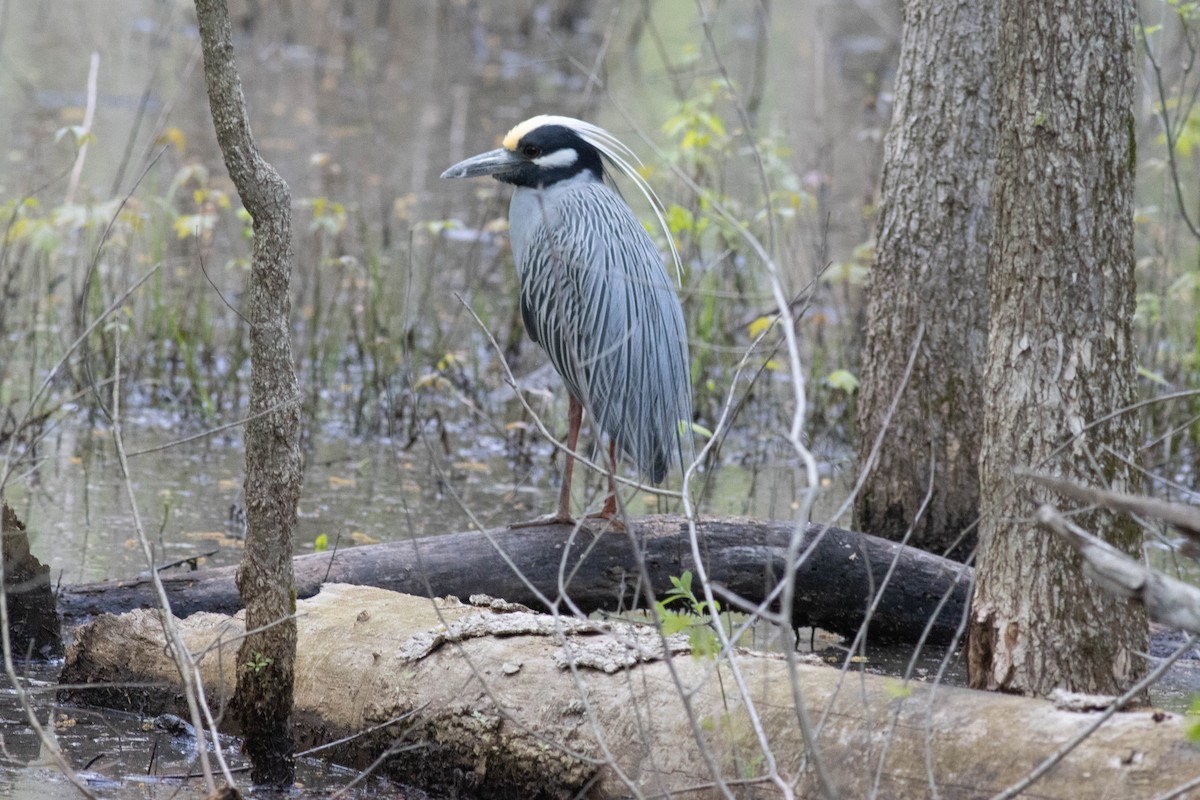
474, 703
930, 270
263, 701
1060, 356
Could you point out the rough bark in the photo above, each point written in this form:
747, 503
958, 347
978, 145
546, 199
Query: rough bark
482, 705
835, 584
263, 701
33, 626
1060, 356
930, 270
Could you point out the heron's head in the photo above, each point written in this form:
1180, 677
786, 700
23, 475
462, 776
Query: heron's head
544, 150
538, 152
547, 149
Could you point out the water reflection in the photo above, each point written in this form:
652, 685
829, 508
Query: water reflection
356, 491
128, 756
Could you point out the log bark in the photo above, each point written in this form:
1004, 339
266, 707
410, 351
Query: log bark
835, 583
483, 704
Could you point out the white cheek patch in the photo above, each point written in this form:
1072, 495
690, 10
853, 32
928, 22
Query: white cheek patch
559, 158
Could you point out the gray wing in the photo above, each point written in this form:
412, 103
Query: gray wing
596, 297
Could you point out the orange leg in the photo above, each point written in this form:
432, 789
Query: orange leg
574, 421
563, 517
609, 512
610, 505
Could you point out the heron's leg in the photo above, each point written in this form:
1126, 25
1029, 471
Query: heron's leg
610, 505
609, 513
574, 421
563, 516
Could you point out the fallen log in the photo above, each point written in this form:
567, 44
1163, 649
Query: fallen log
835, 583
480, 703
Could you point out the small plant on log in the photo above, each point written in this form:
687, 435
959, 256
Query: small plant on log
258, 662
697, 620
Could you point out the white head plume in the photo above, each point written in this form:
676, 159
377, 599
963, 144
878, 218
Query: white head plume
618, 154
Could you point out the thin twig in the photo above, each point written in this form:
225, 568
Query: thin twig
1168, 132
89, 115
378, 762
204, 434
48, 741
1180, 791
1184, 518
189, 673
53, 373
366, 732
860, 637
541, 426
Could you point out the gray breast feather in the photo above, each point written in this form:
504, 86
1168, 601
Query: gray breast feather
596, 297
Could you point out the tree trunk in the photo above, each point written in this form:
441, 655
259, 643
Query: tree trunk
925, 597
33, 625
266, 657
930, 270
1060, 356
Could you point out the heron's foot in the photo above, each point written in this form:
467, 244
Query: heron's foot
595, 524
548, 519
604, 521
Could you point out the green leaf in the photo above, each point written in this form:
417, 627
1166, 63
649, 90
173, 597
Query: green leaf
188, 225
759, 325
76, 132
694, 140
674, 622
703, 641
321, 543
437, 226
1193, 731
843, 379
1153, 377
714, 124
679, 219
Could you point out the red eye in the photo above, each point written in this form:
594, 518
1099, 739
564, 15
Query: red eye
531, 150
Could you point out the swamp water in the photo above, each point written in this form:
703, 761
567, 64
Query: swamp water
412, 429
360, 106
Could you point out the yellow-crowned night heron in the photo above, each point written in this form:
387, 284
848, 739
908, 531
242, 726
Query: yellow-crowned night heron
594, 292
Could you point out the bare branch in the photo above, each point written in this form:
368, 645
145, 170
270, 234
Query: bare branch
89, 115
1185, 518
189, 673
1171, 602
